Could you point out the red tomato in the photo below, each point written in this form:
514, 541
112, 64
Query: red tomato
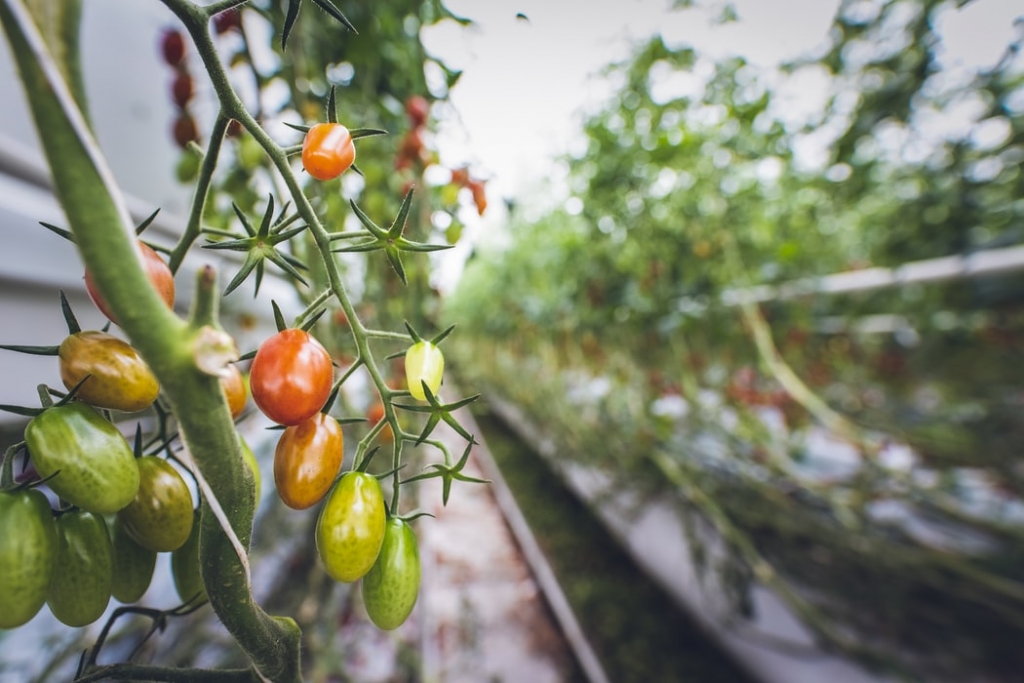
291, 377
185, 130
181, 89
159, 274
327, 151
172, 47
307, 459
417, 108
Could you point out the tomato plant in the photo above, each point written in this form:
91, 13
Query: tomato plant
133, 565
327, 151
118, 378
291, 377
424, 362
160, 515
157, 271
80, 588
350, 528
307, 459
88, 461
28, 555
392, 585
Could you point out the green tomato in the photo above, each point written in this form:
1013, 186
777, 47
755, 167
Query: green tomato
94, 465
391, 586
350, 529
28, 555
250, 459
80, 587
133, 565
188, 580
160, 515
424, 362
118, 378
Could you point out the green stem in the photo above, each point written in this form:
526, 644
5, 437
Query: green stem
159, 674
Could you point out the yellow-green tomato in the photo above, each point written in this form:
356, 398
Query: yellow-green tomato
118, 378
392, 585
160, 515
350, 528
424, 362
133, 565
94, 465
80, 586
188, 580
28, 555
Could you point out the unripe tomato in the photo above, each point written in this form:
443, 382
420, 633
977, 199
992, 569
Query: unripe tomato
28, 555
424, 362
160, 515
156, 270
250, 460
133, 565
391, 586
80, 587
350, 528
327, 151
188, 580
291, 377
234, 390
307, 460
118, 377
94, 465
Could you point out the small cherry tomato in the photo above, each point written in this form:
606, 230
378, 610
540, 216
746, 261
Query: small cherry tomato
479, 193
291, 377
417, 108
250, 460
307, 460
227, 21
172, 47
185, 130
118, 378
28, 555
424, 362
392, 585
182, 89
188, 580
350, 528
160, 515
80, 587
157, 271
327, 151
235, 391
133, 565
89, 461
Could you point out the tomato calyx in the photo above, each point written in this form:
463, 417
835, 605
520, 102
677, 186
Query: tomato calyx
448, 473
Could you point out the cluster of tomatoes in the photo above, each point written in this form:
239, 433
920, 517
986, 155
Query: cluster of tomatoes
291, 380
172, 49
118, 508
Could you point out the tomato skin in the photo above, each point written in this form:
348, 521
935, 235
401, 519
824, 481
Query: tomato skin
350, 529
160, 516
424, 362
235, 391
156, 270
133, 565
118, 377
188, 580
28, 555
392, 585
97, 469
291, 377
80, 587
327, 151
307, 460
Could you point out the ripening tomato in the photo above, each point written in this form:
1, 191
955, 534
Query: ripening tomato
80, 587
350, 529
118, 378
250, 460
392, 585
95, 467
291, 377
160, 515
424, 362
28, 555
133, 565
156, 270
188, 580
235, 391
307, 460
327, 151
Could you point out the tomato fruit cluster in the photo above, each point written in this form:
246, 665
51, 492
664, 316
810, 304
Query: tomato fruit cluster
291, 377
327, 151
